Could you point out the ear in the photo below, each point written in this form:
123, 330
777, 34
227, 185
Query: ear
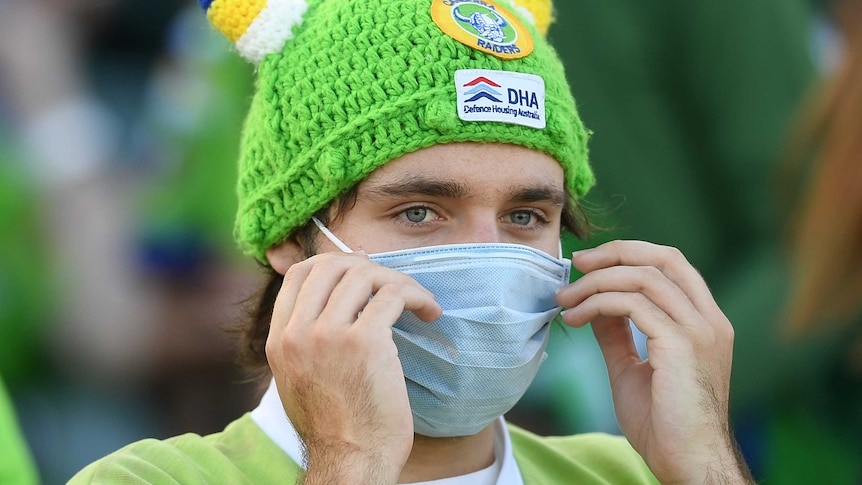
282, 256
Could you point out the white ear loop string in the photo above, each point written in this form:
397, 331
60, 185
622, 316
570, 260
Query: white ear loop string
332, 237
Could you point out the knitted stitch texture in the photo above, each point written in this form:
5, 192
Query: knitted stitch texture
364, 82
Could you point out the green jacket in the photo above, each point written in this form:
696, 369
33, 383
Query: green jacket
244, 454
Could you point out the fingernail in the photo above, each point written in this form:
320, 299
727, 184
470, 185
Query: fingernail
582, 251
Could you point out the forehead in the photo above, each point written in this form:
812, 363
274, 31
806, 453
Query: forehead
478, 167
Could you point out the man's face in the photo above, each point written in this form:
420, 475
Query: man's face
456, 193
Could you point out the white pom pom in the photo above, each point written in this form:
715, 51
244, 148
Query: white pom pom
526, 14
524, 11
271, 29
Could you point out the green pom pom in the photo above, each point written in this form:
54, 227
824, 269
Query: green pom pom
441, 115
331, 166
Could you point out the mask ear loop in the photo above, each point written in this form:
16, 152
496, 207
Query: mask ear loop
560, 249
340, 245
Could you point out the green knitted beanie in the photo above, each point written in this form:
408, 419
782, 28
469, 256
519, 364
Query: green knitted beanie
345, 86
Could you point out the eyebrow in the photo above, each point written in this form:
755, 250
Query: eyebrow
540, 194
453, 189
419, 186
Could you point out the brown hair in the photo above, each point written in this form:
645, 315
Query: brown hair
254, 330
827, 229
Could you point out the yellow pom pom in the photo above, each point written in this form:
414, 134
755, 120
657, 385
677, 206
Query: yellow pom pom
233, 17
542, 12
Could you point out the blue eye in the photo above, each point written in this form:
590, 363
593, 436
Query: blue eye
521, 218
416, 214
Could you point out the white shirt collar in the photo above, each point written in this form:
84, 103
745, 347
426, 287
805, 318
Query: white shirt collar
271, 418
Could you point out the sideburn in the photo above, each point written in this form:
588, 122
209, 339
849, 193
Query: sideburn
254, 329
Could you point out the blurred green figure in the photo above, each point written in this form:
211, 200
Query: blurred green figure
25, 304
16, 464
813, 410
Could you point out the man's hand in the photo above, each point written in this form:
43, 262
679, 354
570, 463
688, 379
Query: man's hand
336, 366
673, 407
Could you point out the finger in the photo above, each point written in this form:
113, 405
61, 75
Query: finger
676, 343
646, 280
327, 270
287, 295
614, 336
387, 305
668, 260
423, 304
351, 295
650, 319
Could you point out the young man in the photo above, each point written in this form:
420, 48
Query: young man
407, 168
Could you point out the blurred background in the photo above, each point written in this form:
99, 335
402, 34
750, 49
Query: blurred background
119, 126
119, 130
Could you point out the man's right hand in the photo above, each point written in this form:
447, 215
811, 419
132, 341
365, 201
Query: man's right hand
336, 366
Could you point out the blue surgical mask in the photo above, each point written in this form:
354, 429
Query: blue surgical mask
474, 363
